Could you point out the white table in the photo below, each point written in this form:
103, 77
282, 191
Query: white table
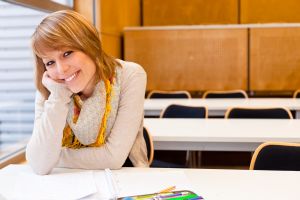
220, 134
217, 107
211, 184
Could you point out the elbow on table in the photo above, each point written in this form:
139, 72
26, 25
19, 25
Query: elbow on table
39, 170
116, 164
37, 166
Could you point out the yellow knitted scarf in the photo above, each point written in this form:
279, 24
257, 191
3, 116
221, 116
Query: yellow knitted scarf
69, 139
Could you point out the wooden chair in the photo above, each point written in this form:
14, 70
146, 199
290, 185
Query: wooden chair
149, 144
296, 94
150, 149
184, 158
276, 156
225, 94
258, 113
182, 111
255, 113
158, 94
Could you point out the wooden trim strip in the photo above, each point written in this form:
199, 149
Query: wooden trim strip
14, 158
45, 5
224, 92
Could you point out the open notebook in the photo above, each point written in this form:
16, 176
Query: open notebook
137, 183
19, 182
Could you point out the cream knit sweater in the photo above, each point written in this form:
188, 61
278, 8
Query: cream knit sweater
44, 150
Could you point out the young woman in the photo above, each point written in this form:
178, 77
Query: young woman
89, 106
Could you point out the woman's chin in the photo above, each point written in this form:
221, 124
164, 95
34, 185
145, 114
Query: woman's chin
75, 90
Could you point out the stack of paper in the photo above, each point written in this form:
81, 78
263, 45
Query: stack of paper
136, 183
19, 182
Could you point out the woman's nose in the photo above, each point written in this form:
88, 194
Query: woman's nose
62, 68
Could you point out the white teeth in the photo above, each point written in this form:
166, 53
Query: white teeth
71, 77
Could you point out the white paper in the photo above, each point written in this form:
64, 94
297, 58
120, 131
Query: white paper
145, 183
103, 187
137, 183
19, 182
24, 184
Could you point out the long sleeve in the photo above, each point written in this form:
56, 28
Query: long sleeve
44, 148
125, 129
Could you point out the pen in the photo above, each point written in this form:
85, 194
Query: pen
172, 195
169, 189
186, 197
196, 198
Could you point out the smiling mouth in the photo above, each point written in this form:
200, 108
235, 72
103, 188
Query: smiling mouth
70, 78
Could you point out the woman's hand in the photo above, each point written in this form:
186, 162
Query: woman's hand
56, 87
47, 80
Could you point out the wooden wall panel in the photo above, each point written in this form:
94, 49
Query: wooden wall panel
270, 11
186, 12
190, 59
85, 8
110, 17
115, 15
274, 59
112, 44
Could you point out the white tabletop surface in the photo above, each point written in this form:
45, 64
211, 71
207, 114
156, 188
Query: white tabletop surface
220, 134
219, 106
210, 183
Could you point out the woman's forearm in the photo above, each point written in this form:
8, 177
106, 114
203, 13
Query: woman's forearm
44, 147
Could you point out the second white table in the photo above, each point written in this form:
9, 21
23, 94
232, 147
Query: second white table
220, 134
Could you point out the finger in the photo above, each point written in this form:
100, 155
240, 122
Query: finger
59, 80
50, 79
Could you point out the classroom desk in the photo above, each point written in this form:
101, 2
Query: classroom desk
218, 107
220, 134
212, 184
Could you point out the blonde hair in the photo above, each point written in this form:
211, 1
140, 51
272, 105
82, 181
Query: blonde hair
69, 29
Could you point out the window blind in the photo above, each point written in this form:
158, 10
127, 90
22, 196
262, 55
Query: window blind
17, 24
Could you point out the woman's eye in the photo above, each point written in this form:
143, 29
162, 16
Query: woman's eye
67, 53
49, 63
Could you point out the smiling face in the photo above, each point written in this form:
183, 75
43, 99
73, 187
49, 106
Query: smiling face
73, 68
81, 64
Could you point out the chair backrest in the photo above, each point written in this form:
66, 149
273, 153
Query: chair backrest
149, 144
276, 156
296, 94
157, 94
259, 113
225, 94
181, 111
